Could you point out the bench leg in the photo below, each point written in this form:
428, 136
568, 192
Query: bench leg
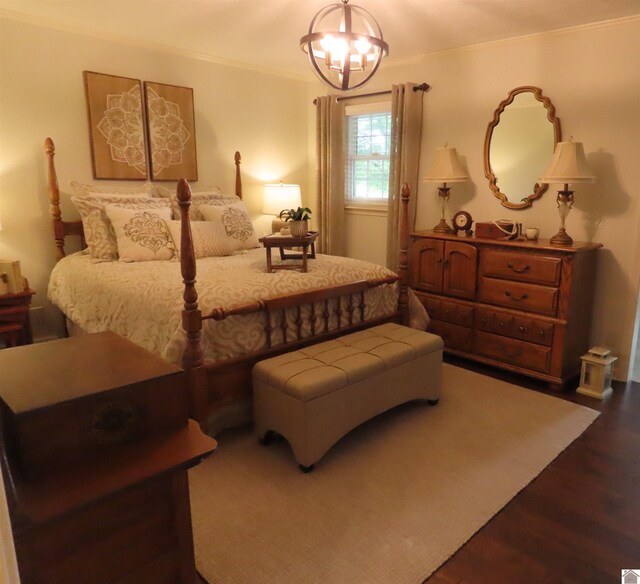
306, 469
267, 438
433, 402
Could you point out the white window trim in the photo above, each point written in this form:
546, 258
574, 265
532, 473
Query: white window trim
373, 207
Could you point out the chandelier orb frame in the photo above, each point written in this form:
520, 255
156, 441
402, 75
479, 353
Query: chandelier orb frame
357, 46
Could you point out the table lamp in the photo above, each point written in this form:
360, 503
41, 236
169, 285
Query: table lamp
568, 165
446, 168
278, 197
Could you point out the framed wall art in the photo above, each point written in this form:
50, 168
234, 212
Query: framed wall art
116, 126
171, 131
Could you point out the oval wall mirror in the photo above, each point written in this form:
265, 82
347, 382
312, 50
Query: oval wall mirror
518, 146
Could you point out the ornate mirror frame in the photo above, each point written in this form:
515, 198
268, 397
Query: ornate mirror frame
488, 171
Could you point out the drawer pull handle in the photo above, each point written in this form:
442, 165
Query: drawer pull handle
483, 320
541, 333
521, 329
521, 270
513, 354
523, 297
502, 325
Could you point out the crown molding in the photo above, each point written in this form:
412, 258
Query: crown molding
517, 39
56, 25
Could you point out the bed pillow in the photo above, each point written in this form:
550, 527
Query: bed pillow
167, 193
236, 222
209, 238
84, 190
142, 234
98, 231
200, 199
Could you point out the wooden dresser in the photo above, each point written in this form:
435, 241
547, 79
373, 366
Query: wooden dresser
520, 305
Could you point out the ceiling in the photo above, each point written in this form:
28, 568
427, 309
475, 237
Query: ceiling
266, 33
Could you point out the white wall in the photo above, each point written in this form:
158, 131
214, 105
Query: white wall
592, 76
42, 94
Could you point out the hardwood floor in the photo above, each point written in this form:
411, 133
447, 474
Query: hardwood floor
579, 521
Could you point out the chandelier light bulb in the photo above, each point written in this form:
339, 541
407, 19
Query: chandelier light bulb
344, 39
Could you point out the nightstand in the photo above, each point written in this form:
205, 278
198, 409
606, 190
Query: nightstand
15, 319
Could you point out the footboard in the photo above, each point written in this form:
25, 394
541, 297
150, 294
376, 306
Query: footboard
319, 315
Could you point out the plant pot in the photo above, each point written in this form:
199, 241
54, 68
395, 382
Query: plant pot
299, 228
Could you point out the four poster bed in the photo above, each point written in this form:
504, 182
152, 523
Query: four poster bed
239, 315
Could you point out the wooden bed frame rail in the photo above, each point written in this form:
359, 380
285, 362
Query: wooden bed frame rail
214, 386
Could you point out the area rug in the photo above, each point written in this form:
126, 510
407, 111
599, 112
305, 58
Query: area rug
389, 503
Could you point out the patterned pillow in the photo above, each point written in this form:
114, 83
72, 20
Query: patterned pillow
142, 234
141, 190
236, 223
209, 238
98, 231
200, 199
167, 193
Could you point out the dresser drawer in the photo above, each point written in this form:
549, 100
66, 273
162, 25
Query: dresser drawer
454, 336
529, 297
517, 327
447, 311
536, 269
527, 355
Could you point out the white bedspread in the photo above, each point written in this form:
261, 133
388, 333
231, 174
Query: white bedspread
142, 301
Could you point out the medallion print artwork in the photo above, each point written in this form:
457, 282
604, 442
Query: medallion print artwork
148, 230
116, 126
171, 131
237, 224
122, 127
167, 132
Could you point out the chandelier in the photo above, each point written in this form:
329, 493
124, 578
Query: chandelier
345, 45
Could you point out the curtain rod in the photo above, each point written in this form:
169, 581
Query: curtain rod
421, 87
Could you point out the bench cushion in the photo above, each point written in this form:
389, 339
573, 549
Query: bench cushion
326, 367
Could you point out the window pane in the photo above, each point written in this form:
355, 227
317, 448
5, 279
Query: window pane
367, 171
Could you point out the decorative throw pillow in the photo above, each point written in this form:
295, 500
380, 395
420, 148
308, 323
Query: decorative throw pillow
84, 190
98, 231
200, 199
142, 234
167, 193
209, 238
236, 223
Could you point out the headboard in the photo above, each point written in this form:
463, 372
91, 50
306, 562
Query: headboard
63, 229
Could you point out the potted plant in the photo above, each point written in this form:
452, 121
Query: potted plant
299, 219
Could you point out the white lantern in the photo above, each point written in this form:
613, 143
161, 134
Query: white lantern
595, 379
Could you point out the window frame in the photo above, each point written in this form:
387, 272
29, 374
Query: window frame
368, 206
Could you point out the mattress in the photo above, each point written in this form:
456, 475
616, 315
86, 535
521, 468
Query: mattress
142, 301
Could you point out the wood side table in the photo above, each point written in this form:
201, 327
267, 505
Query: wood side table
15, 318
283, 243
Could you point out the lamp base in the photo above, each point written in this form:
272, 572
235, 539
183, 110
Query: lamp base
442, 227
561, 238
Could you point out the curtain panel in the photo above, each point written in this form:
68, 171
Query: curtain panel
330, 179
406, 135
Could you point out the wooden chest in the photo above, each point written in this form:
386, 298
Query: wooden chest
98, 392
519, 305
96, 443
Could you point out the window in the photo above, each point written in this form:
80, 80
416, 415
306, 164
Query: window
368, 136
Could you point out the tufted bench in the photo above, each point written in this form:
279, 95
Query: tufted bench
316, 395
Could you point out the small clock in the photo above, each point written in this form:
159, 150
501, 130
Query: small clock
462, 221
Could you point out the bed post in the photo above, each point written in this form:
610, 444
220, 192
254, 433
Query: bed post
54, 199
403, 264
191, 315
238, 160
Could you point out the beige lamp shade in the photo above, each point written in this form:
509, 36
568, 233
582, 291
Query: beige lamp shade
280, 196
568, 165
446, 167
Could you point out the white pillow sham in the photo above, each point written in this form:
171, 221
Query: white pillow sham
209, 238
140, 190
236, 222
142, 234
198, 200
98, 231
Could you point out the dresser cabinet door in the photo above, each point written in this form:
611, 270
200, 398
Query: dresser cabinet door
460, 267
427, 257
